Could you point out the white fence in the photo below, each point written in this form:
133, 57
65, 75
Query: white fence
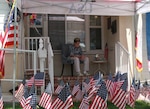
32, 43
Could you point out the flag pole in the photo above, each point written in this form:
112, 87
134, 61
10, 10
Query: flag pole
14, 58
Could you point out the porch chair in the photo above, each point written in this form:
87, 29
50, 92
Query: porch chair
65, 55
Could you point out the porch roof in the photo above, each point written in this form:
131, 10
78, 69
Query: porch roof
99, 7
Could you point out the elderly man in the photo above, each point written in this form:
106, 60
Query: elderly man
78, 57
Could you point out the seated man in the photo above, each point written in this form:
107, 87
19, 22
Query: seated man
78, 57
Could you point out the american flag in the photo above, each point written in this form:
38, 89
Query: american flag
37, 79
1, 99
64, 100
13, 28
137, 90
76, 88
109, 82
86, 84
2, 55
119, 98
131, 96
100, 101
3, 40
46, 98
95, 78
22, 100
117, 76
85, 102
19, 93
60, 87
123, 76
116, 84
32, 99
79, 95
27, 103
94, 89
10, 40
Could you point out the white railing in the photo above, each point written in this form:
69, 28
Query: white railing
32, 43
122, 61
121, 58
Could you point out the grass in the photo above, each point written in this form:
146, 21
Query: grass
138, 105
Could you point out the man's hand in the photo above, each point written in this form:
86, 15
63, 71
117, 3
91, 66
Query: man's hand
82, 57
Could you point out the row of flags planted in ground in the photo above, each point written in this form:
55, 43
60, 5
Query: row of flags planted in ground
92, 93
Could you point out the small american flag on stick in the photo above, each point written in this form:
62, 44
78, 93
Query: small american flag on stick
76, 88
64, 100
119, 98
100, 101
46, 98
85, 102
60, 87
37, 79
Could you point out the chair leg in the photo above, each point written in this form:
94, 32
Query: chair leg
71, 69
62, 71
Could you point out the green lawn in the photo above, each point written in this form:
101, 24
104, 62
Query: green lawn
138, 105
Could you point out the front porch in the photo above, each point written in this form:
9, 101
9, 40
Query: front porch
26, 64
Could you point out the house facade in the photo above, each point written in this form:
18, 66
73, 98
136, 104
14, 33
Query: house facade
93, 30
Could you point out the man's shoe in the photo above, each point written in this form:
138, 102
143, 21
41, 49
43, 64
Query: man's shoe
79, 74
86, 73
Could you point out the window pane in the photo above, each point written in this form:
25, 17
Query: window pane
95, 20
76, 28
95, 38
36, 32
56, 30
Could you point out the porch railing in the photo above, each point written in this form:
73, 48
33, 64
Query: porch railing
122, 60
32, 43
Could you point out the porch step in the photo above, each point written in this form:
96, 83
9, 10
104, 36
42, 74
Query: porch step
70, 79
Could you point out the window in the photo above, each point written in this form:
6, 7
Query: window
95, 33
36, 29
76, 28
56, 30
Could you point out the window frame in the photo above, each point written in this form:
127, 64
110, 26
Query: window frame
87, 33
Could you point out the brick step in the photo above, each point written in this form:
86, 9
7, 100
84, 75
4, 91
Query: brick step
70, 79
